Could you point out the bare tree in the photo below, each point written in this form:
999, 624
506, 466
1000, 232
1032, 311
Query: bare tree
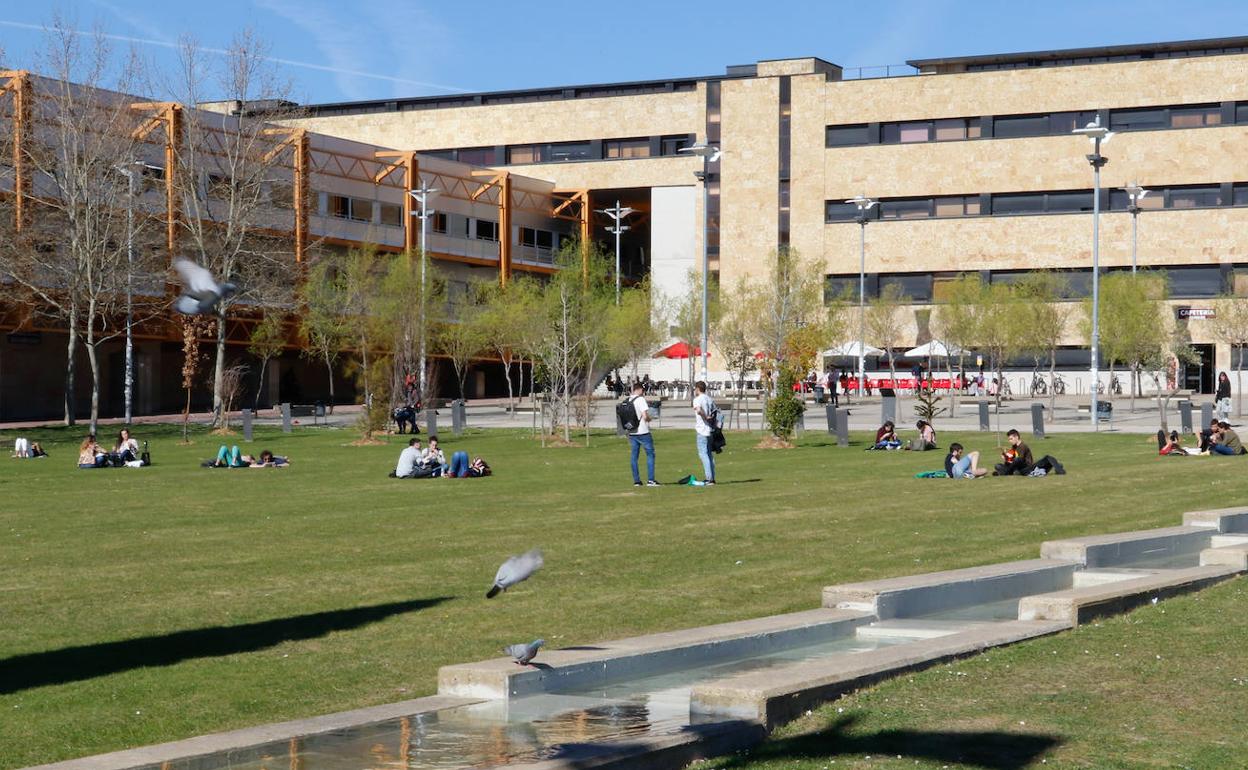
225, 168
268, 339
734, 337
463, 336
1043, 324
322, 323
1230, 325
885, 321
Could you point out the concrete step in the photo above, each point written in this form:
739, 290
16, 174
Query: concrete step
1233, 555
1123, 548
1222, 519
1079, 605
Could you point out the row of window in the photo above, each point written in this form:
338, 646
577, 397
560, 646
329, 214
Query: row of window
1185, 281
1047, 202
1038, 124
1077, 60
563, 152
453, 225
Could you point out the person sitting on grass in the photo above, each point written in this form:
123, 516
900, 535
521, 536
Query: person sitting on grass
1205, 438
1016, 460
21, 449
90, 455
36, 450
1227, 441
462, 469
927, 437
434, 458
411, 461
886, 437
958, 466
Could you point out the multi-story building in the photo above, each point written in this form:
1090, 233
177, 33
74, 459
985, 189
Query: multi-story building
972, 160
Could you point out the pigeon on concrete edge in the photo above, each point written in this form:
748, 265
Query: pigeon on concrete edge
516, 569
524, 653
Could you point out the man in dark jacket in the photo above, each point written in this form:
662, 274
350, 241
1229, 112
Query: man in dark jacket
1017, 459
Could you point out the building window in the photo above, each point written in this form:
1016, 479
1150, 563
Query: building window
1018, 203
355, 209
570, 151
838, 287
1241, 112
524, 153
626, 148
1195, 197
477, 156
537, 239
1013, 126
1197, 281
836, 211
487, 230
1240, 195
1068, 201
391, 214
443, 154
1196, 117
957, 206
916, 286
672, 145
1138, 120
1120, 201
847, 136
906, 208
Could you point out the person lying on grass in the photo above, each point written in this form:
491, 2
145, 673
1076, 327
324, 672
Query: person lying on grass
233, 458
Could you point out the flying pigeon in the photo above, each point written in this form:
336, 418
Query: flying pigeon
516, 569
201, 292
524, 653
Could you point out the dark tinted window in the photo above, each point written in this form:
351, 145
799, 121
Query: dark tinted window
1194, 197
839, 286
916, 286
566, 151
1241, 195
1136, 120
1020, 125
913, 208
444, 154
1018, 203
841, 212
846, 136
1066, 122
1069, 201
1195, 281
478, 156
672, 145
1241, 112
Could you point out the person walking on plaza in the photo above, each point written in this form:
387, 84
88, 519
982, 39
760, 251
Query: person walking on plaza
705, 417
639, 437
1222, 397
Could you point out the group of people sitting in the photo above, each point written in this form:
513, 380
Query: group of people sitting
24, 449
233, 458
125, 454
886, 438
1016, 460
416, 462
1218, 439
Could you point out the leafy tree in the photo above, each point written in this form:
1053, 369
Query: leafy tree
734, 336
464, 336
1042, 322
885, 323
1131, 329
322, 318
633, 333
1230, 325
502, 315
684, 315
954, 323
268, 339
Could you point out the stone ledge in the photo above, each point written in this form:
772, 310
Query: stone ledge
642, 655
253, 737
779, 694
936, 591
1222, 519
1125, 547
1234, 556
1078, 605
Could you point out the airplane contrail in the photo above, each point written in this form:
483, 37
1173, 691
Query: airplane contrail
223, 52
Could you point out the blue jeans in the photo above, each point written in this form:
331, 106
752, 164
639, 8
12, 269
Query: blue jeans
708, 459
230, 457
459, 464
962, 468
636, 443
1223, 450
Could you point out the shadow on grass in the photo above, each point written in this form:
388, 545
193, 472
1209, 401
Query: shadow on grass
73, 664
990, 750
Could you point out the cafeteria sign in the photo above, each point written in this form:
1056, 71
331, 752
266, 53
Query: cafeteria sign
1183, 311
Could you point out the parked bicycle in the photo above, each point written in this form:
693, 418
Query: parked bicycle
1038, 386
1059, 385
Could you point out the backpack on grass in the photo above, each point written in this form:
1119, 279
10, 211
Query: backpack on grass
626, 414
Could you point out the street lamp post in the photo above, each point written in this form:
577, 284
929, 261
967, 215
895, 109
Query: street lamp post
709, 154
132, 170
617, 226
1135, 194
422, 196
1098, 135
864, 205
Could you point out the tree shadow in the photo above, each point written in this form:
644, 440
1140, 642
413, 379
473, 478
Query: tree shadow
72, 664
988, 750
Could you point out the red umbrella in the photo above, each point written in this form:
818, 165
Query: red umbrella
678, 350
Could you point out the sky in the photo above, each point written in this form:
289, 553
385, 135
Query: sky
333, 51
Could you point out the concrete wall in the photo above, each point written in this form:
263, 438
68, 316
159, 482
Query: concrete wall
674, 238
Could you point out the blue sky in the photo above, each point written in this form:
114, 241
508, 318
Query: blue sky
375, 49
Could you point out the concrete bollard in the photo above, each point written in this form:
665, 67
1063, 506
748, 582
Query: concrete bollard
1206, 415
1185, 417
247, 417
888, 409
1037, 420
431, 422
801, 422
459, 417
985, 422
286, 427
830, 411
842, 427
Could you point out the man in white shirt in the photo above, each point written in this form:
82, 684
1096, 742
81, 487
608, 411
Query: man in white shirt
409, 460
704, 416
640, 438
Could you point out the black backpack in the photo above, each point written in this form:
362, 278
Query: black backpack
146, 457
626, 414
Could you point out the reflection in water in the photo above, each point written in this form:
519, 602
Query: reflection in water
525, 729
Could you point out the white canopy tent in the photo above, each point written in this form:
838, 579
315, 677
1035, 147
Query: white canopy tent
935, 349
850, 349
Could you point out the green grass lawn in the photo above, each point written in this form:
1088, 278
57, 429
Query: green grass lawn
147, 605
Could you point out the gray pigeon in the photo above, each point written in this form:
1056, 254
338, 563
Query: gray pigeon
524, 653
201, 292
516, 569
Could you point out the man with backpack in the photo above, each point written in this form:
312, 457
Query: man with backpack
705, 422
634, 416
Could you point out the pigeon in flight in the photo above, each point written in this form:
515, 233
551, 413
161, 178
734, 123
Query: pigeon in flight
524, 653
201, 292
516, 569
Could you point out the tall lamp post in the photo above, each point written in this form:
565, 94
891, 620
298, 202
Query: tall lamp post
132, 170
617, 226
1098, 135
709, 154
422, 195
1135, 194
864, 205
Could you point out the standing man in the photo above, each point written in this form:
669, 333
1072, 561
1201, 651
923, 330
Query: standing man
705, 416
639, 436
